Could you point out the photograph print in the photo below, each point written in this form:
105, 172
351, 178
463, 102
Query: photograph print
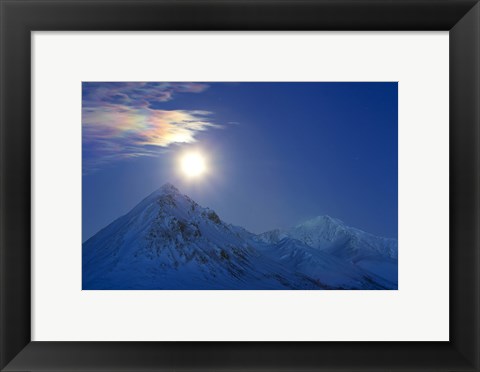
239, 185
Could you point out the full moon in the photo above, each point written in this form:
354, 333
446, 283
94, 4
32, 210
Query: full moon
193, 164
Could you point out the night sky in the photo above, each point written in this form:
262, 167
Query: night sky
277, 153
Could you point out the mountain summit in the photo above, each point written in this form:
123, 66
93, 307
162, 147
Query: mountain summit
168, 241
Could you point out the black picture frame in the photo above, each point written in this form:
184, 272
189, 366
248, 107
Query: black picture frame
18, 18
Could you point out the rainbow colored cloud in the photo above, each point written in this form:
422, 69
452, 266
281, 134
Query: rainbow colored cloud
121, 120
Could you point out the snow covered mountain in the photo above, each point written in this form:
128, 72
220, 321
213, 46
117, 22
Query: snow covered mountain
330, 235
168, 241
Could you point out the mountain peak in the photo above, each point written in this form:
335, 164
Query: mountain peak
322, 220
168, 188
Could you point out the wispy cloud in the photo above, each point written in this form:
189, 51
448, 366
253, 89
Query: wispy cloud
122, 120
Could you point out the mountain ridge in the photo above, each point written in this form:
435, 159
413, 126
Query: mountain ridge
168, 241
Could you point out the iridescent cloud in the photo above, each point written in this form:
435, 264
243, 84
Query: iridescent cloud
122, 120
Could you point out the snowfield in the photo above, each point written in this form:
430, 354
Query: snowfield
168, 241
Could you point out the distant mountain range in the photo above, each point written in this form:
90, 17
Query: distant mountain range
168, 241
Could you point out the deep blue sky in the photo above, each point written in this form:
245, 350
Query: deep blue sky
279, 153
